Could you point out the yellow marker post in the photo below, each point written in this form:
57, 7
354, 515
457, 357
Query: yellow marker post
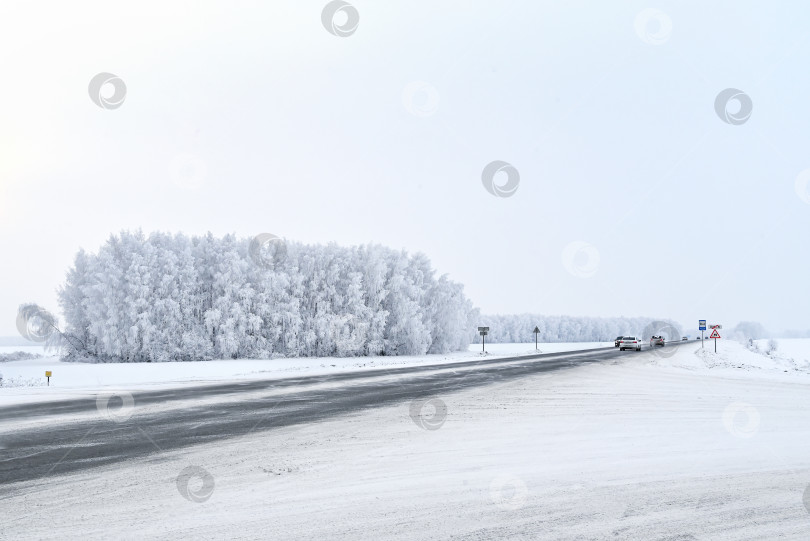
48, 375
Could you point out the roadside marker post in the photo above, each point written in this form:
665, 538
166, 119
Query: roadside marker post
536, 331
48, 375
483, 331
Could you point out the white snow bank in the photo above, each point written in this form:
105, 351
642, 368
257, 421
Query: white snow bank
793, 349
738, 357
24, 381
732, 358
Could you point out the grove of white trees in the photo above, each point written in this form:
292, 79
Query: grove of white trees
177, 298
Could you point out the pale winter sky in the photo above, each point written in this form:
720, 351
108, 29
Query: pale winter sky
634, 196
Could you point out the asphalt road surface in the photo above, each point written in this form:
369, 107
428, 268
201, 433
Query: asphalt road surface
92, 439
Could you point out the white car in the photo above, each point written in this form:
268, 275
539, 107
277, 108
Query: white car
629, 342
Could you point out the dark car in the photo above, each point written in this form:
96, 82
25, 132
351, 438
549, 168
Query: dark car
616, 342
656, 341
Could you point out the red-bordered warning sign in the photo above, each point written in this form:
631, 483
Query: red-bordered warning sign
714, 334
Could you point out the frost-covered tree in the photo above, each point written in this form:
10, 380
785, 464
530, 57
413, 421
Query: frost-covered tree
171, 297
748, 329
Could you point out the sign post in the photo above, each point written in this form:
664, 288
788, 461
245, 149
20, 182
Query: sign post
48, 375
483, 331
536, 331
701, 328
715, 335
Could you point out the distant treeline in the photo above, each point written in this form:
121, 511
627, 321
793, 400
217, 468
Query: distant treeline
520, 327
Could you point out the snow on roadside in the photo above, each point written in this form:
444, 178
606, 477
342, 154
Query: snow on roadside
70, 380
732, 358
795, 351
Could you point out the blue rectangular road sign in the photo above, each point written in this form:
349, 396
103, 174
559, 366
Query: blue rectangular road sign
701, 324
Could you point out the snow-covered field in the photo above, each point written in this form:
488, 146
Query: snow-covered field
24, 381
792, 355
693, 446
797, 349
35, 350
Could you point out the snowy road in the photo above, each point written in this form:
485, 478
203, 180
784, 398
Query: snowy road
60, 437
685, 444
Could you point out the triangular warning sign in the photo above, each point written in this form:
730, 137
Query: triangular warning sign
715, 334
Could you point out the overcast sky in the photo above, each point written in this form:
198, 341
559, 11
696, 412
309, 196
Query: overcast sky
634, 196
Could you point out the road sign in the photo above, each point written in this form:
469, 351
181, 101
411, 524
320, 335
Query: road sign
483, 331
715, 326
701, 324
715, 335
48, 375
